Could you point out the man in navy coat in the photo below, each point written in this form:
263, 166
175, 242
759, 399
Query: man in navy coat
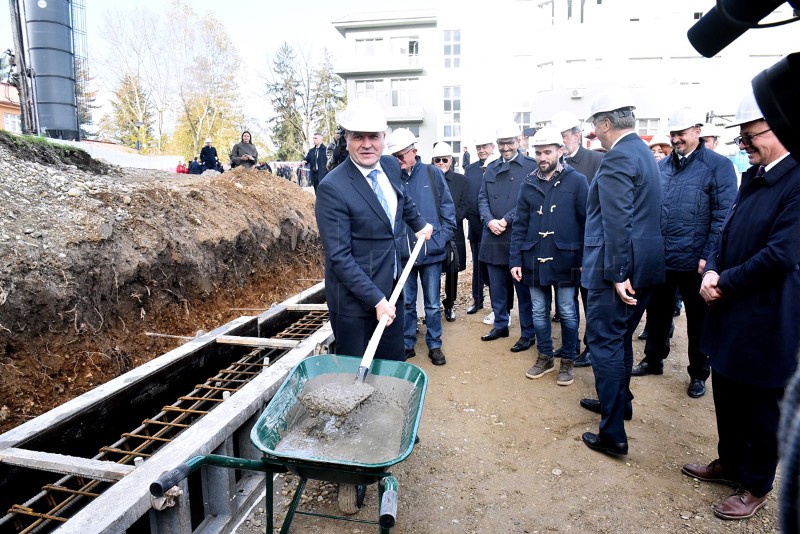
751, 284
361, 207
623, 258
316, 160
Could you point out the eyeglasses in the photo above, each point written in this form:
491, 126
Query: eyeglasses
506, 142
441, 160
401, 155
747, 140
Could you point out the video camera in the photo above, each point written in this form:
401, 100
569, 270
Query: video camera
775, 88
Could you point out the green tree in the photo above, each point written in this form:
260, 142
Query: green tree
284, 93
131, 104
331, 97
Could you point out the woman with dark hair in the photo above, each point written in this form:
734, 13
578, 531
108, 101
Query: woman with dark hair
244, 153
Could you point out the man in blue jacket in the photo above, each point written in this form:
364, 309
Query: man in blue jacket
623, 259
698, 186
426, 185
362, 207
546, 249
751, 284
497, 202
316, 161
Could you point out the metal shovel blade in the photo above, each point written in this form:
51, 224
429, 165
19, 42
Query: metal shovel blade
336, 399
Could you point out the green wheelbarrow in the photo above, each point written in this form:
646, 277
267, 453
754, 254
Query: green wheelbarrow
358, 468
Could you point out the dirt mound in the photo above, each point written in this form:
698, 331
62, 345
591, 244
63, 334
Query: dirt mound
89, 263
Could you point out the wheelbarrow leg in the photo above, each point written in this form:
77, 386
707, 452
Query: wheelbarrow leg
269, 509
301, 486
387, 499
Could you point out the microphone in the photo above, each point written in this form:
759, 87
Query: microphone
714, 31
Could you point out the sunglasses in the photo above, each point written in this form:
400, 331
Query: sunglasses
401, 155
747, 140
441, 160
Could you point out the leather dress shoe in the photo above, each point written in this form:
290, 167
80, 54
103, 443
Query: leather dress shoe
584, 360
597, 443
697, 388
642, 335
474, 308
410, 353
712, 472
450, 314
740, 505
644, 368
495, 333
524, 343
593, 405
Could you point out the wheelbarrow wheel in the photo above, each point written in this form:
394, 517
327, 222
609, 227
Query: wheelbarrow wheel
351, 498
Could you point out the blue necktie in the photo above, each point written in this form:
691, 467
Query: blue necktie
373, 176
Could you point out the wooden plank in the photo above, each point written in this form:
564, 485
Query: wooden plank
258, 342
69, 465
307, 307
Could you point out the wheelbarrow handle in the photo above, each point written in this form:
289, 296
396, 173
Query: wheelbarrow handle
169, 479
369, 354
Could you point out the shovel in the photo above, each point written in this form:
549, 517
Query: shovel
340, 399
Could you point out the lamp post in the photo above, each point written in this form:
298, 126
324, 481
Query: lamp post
138, 125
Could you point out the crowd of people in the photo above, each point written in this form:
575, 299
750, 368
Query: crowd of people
618, 232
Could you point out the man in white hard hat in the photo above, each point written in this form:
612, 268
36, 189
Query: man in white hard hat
698, 187
497, 202
578, 157
710, 134
208, 156
623, 259
484, 147
426, 185
546, 249
586, 162
361, 207
442, 158
751, 283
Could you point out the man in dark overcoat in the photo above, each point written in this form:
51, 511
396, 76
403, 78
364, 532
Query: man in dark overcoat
623, 258
361, 207
316, 161
497, 202
752, 286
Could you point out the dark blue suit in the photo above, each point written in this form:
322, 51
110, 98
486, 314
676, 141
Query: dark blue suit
360, 254
622, 242
751, 333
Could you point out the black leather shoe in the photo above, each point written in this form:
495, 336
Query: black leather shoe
697, 388
449, 314
410, 353
645, 368
495, 333
524, 343
597, 443
642, 335
556, 318
584, 360
593, 405
474, 308
437, 356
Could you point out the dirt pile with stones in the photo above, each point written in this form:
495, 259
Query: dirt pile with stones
93, 256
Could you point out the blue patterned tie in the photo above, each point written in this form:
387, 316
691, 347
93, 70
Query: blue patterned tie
373, 176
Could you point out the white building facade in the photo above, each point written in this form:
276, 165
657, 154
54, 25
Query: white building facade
455, 72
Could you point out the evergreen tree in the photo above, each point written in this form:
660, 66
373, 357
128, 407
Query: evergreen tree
131, 104
283, 92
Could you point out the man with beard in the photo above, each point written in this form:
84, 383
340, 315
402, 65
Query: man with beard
546, 249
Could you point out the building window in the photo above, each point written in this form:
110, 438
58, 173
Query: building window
12, 123
367, 88
647, 126
451, 119
404, 92
523, 118
368, 47
406, 47
452, 49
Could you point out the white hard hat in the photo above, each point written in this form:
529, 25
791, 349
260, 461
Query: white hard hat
547, 136
748, 111
442, 150
684, 118
208, 139
659, 139
710, 130
617, 99
364, 115
399, 139
492, 157
485, 138
564, 120
509, 130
